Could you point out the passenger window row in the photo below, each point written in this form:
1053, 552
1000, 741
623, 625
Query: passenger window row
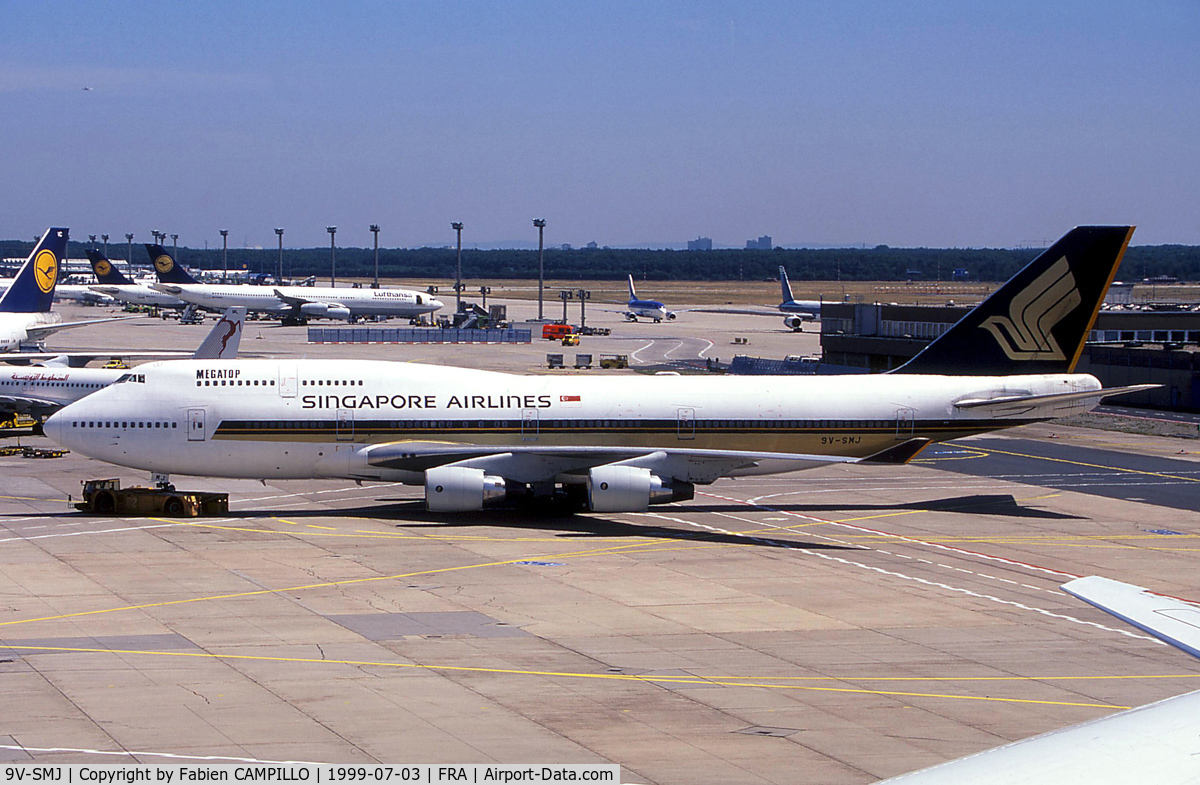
122, 424
232, 383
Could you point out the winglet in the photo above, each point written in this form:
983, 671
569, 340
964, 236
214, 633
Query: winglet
32, 290
632, 293
106, 273
165, 267
1038, 321
898, 453
224, 338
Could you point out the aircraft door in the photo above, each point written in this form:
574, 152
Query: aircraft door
196, 425
686, 423
529, 425
287, 381
345, 425
905, 420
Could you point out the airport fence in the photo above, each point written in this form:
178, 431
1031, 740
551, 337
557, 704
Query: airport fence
416, 335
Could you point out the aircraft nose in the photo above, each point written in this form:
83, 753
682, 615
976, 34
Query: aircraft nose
436, 304
53, 427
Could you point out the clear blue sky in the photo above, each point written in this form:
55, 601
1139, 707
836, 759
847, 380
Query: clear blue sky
941, 124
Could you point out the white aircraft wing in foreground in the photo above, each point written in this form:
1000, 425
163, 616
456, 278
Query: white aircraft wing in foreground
1158, 744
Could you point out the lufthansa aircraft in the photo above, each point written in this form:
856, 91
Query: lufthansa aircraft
295, 303
475, 438
114, 284
43, 389
25, 315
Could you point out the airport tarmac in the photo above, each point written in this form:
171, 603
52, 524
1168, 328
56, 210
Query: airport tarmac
834, 626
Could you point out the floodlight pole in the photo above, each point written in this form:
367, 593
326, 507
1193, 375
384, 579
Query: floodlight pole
175, 246
92, 239
564, 295
224, 255
332, 256
584, 295
375, 231
279, 275
104, 237
540, 223
129, 260
457, 226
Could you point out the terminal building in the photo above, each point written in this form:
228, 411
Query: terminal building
1126, 347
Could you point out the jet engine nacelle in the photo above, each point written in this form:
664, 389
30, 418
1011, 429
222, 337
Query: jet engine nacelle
671, 315
458, 489
338, 312
632, 489
314, 309
794, 322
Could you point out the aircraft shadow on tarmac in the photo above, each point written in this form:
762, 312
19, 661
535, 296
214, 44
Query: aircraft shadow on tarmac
412, 515
999, 504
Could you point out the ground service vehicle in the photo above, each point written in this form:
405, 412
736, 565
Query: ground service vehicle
556, 332
107, 497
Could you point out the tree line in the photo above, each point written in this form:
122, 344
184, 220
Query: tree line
880, 263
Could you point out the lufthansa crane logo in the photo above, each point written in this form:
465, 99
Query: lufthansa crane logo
45, 270
164, 263
1025, 333
103, 267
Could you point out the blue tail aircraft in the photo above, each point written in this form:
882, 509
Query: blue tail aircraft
25, 315
647, 309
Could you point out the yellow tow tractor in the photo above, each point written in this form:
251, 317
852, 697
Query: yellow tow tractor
107, 497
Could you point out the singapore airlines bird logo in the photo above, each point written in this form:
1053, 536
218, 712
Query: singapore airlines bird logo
1025, 333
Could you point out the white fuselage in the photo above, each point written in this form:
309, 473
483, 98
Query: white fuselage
54, 386
82, 293
138, 294
318, 418
14, 327
359, 302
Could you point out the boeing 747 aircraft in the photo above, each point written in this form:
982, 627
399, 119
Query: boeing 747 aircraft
296, 304
475, 438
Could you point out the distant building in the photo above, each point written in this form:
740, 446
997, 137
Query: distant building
761, 244
591, 246
566, 246
700, 244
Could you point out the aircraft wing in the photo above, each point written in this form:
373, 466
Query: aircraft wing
1172, 621
296, 302
1157, 743
80, 359
22, 404
539, 463
38, 331
1020, 404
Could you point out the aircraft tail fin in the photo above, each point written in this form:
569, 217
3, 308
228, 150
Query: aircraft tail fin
224, 338
106, 272
32, 290
787, 287
1038, 321
165, 267
632, 291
